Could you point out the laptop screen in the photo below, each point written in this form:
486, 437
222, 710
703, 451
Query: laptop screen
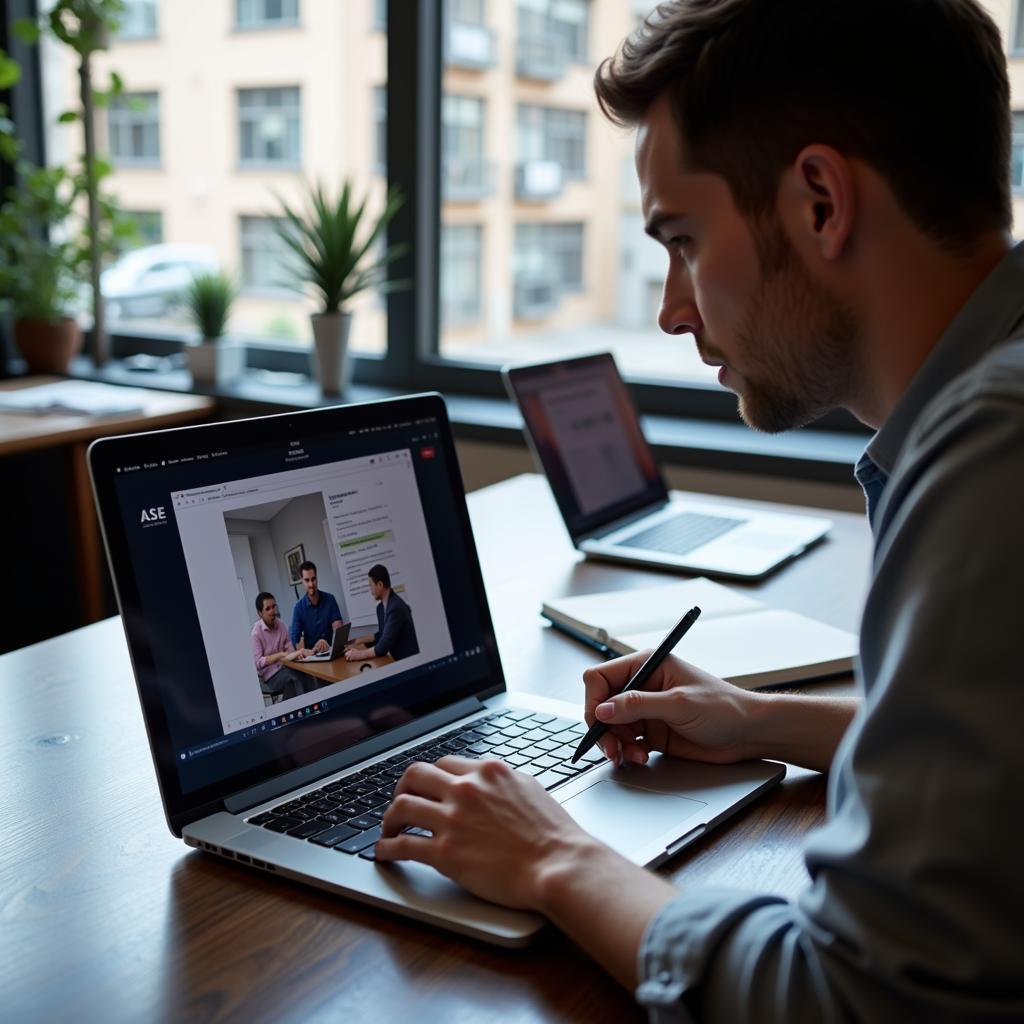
353, 514
586, 434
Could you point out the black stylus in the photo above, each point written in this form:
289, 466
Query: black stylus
643, 673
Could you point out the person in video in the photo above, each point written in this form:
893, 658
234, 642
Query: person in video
395, 634
272, 648
316, 614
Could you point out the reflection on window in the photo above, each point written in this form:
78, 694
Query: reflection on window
260, 13
263, 255
269, 126
460, 279
138, 20
134, 128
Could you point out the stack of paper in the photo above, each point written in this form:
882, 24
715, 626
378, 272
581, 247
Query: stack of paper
78, 397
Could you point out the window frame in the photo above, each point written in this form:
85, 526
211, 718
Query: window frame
125, 118
244, 114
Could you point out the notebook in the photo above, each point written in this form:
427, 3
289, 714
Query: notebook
337, 648
198, 520
583, 428
736, 637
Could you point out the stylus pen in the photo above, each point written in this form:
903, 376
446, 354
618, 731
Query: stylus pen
643, 673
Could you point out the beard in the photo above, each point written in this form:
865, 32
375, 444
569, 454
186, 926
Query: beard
799, 343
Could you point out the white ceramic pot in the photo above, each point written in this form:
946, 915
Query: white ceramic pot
330, 342
215, 362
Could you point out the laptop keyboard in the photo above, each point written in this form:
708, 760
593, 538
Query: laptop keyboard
682, 533
345, 815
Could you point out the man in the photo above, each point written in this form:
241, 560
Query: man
272, 649
396, 635
316, 614
830, 180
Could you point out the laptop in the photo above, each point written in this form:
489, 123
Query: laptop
585, 434
195, 519
337, 648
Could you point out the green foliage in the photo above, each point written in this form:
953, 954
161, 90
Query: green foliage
10, 71
330, 242
209, 300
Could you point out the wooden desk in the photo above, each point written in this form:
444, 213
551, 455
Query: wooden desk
104, 915
26, 432
338, 669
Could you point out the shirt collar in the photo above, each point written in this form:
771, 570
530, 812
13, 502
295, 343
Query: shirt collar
993, 313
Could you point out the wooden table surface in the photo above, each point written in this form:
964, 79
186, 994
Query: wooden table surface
104, 915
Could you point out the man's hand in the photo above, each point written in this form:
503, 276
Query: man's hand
683, 712
352, 654
495, 831
299, 655
320, 646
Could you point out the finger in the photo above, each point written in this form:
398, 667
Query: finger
424, 779
407, 847
635, 705
602, 681
407, 809
455, 765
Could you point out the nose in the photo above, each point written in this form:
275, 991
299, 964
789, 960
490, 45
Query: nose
679, 313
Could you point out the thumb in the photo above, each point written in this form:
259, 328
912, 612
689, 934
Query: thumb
634, 705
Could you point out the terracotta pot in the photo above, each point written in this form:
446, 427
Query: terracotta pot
48, 346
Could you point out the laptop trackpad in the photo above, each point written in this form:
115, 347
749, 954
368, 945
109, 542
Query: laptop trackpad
627, 818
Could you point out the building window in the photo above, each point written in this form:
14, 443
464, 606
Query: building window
466, 12
380, 129
264, 255
266, 13
466, 172
551, 251
269, 127
1017, 154
552, 134
1018, 27
380, 15
138, 20
565, 24
134, 127
460, 273
149, 225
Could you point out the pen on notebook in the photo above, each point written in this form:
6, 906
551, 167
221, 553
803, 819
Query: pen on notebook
643, 673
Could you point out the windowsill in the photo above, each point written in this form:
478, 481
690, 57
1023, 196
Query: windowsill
265, 26
289, 167
824, 456
130, 164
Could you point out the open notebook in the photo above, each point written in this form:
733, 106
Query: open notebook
736, 637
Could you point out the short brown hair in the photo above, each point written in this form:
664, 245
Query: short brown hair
915, 88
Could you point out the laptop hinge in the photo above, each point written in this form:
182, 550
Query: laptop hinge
246, 798
633, 517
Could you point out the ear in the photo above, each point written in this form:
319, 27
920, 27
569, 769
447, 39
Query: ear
818, 190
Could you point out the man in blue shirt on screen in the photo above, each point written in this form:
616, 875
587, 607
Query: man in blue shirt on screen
316, 614
830, 180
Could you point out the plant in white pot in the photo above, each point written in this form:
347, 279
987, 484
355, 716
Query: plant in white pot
208, 301
335, 245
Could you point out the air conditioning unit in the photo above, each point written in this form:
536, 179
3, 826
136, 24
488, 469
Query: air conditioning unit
539, 179
468, 46
535, 297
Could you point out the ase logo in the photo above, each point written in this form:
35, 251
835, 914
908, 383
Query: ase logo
153, 515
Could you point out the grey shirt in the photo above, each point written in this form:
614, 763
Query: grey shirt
915, 911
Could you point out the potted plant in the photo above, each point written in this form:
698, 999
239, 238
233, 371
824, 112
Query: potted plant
39, 273
334, 243
208, 301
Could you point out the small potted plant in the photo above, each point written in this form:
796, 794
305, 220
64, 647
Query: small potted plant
334, 244
208, 300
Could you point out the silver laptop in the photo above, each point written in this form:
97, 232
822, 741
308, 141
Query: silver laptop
337, 649
197, 520
586, 437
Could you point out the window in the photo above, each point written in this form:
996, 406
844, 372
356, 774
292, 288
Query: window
134, 127
557, 28
553, 134
138, 20
263, 254
269, 127
461, 278
1018, 27
551, 251
149, 225
466, 12
466, 173
266, 13
1017, 154
380, 129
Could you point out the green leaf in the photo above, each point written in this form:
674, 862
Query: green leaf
68, 117
10, 71
27, 30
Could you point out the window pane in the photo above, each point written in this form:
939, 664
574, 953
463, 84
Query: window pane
230, 121
564, 265
138, 20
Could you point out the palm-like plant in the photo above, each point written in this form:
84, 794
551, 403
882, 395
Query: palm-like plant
209, 298
332, 243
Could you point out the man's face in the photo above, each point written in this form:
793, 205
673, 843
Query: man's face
269, 613
309, 582
783, 343
376, 590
